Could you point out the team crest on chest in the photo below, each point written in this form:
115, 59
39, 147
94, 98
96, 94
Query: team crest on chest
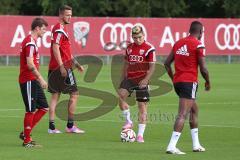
141, 51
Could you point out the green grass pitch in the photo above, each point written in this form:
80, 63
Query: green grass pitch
219, 120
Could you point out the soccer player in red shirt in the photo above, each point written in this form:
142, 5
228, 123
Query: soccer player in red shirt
60, 76
31, 82
187, 53
138, 68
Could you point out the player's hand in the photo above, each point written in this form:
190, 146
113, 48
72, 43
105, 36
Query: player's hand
43, 83
80, 68
207, 86
63, 71
143, 83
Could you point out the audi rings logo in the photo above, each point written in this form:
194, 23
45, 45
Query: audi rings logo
117, 36
230, 35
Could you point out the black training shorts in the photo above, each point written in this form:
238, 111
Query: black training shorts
142, 94
59, 84
33, 96
186, 89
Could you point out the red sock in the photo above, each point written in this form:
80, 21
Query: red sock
28, 119
37, 116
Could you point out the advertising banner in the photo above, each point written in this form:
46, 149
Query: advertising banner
109, 36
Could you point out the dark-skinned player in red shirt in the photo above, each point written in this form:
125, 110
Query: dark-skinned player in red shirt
188, 54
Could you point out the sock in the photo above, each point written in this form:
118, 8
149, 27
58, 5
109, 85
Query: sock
195, 140
127, 115
28, 119
141, 129
174, 139
51, 125
37, 116
70, 123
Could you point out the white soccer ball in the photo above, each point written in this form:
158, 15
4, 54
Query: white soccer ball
128, 135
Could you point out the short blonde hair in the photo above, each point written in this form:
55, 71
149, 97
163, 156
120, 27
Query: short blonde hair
137, 29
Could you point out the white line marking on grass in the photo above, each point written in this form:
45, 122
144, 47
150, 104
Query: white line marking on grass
166, 104
161, 123
220, 126
12, 109
164, 123
11, 116
208, 103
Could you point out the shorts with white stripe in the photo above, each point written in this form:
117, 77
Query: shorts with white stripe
33, 96
59, 84
186, 89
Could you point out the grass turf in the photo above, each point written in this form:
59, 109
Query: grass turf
219, 123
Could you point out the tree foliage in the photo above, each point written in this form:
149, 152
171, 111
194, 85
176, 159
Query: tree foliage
126, 8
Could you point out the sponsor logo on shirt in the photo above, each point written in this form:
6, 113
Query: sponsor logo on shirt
183, 51
135, 58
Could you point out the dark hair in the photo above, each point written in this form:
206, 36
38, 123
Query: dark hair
63, 8
38, 22
196, 27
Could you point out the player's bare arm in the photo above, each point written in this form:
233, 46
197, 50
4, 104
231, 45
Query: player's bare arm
124, 70
204, 72
143, 83
168, 63
34, 70
77, 64
57, 55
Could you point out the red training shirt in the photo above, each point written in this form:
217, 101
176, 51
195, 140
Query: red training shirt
60, 36
186, 59
28, 49
138, 58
